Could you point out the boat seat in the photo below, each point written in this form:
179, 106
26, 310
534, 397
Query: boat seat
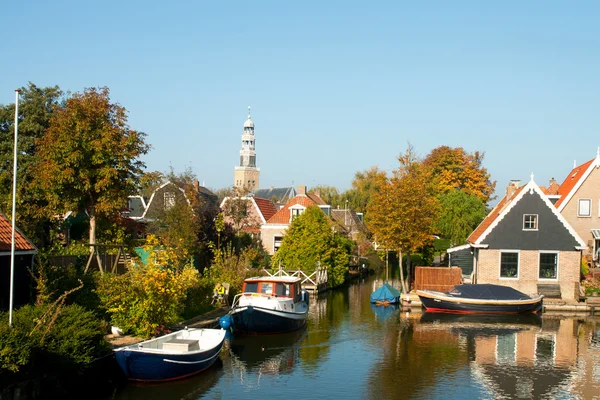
181, 345
549, 290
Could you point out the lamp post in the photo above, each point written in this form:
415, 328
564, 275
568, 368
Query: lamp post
14, 202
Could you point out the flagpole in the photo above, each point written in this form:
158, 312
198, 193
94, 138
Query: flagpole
14, 206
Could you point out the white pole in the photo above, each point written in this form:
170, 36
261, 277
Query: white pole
14, 201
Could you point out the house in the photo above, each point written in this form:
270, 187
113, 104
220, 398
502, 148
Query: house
348, 222
578, 200
257, 211
279, 196
273, 230
25, 251
525, 242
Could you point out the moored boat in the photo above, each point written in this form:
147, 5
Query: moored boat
173, 356
268, 304
385, 295
483, 299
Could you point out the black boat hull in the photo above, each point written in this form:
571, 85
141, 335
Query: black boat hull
257, 320
441, 305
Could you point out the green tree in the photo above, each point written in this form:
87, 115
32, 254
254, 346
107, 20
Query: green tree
329, 194
365, 183
310, 240
36, 107
454, 168
89, 159
460, 214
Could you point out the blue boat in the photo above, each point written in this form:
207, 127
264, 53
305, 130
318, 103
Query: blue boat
268, 304
386, 294
174, 356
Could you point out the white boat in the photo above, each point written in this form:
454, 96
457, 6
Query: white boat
268, 304
174, 356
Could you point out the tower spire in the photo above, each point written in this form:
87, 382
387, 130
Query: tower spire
249, 113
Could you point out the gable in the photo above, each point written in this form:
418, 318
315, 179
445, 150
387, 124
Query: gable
21, 242
552, 233
156, 205
573, 181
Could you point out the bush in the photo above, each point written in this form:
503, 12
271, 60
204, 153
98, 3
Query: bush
49, 338
148, 299
591, 286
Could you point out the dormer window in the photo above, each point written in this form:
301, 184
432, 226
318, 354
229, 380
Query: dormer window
295, 211
584, 208
530, 222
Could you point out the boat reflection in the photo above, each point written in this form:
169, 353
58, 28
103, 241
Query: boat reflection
383, 312
267, 354
191, 388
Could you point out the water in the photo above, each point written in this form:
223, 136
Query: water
353, 350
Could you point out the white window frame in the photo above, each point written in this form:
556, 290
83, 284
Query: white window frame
579, 202
536, 222
512, 278
557, 264
169, 198
277, 238
295, 211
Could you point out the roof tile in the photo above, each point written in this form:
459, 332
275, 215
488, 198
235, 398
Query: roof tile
21, 242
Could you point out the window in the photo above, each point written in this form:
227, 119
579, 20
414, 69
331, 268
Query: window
530, 222
169, 200
277, 243
266, 288
282, 289
251, 287
548, 265
509, 265
585, 208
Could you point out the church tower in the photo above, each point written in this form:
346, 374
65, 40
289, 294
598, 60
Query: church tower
246, 175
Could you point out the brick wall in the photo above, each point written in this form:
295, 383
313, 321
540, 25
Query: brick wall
568, 272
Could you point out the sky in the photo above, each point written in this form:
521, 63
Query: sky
335, 87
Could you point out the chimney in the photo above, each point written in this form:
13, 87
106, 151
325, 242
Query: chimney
197, 186
552, 182
302, 190
512, 187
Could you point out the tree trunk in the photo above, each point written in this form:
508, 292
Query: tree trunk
408, 270
92, 231
401, 271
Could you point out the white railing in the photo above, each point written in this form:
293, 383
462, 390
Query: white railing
317, 278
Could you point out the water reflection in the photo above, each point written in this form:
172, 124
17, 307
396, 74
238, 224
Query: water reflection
383, 313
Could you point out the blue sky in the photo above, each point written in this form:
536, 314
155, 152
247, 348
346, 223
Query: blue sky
335, 87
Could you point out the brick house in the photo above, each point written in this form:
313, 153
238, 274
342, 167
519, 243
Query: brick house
273, 230
524, 242
258, 212
578, 200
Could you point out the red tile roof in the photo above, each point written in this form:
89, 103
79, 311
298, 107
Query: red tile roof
21, 242
266, 207
492, 216
283, 216
571, 181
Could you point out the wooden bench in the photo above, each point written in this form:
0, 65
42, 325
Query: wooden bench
549, 290
181, 345
593, 302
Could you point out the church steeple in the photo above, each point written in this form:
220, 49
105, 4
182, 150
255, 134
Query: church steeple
247, 174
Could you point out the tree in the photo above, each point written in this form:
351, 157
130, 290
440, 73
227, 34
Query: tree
235, 210
89, 159
365, 183
329, 194
403, 211
36, 107
310, 241
454, 168
460, 214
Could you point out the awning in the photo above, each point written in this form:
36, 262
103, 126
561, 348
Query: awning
596, 233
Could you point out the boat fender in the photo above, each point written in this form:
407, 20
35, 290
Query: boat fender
305, 297
225, 321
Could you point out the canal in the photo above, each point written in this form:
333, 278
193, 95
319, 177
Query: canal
353, 350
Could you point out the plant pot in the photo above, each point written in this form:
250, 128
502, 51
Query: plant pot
116, 331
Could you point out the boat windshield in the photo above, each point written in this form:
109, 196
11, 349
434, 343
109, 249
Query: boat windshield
282, 289
251, 287
266, 288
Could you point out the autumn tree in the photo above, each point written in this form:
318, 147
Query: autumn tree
459, 216
454, 168
365, 183
36, 106
310, 240
89, 158
402, 213
236, 210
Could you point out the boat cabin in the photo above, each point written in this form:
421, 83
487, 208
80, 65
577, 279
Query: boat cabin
289, 287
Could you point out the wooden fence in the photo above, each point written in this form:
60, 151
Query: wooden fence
440, 279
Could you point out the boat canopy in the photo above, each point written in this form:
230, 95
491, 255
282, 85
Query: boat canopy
385, 293
487, 292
